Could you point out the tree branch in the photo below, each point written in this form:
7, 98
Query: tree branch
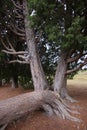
72, 59
18, 61
10, 44
6, 46
71, 51
26, 58
13, 29
76, 68
20, 30
17, 6
18, 13
19, 16
15, 53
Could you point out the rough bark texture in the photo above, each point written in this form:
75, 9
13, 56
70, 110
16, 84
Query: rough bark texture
60, 76
16, 107
60, 80
39, 79
64, 92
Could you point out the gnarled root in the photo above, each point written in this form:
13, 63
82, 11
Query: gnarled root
57, 106
19, 106
70, 99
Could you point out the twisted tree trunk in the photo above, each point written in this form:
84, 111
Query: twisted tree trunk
19, 106
38, 76
60, 80
60, 76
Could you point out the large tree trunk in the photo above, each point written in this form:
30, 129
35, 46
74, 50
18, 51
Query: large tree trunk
19, 106
64, 92
60, 76
60, 80
39, 79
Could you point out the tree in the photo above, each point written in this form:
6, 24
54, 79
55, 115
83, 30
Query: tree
63, 26
63, 33
11, 40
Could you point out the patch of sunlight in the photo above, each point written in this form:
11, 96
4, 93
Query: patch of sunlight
79, 79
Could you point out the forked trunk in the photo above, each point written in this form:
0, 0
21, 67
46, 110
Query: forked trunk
38, 76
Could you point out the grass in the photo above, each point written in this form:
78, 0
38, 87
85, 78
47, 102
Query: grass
79, 79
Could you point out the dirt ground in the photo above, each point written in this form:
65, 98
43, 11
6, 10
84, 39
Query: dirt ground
40, 121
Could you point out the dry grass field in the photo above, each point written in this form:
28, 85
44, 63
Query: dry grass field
79, 79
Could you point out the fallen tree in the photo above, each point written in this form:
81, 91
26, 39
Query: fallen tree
19, 106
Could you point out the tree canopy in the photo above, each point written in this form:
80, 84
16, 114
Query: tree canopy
62, 22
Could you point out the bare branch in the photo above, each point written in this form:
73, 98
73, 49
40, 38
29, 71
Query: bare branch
76, 68
16, 33
17, 6
6, 46
72, 59
24, 57
13, 29
10, 44
21, 30
18, 13
19, 17
18, 61
15, 53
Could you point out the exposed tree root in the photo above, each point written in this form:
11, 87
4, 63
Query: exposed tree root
70, 99
3, 127
19, 106
58, 107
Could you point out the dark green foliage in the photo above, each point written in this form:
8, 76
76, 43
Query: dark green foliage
26, 82
51, 17
74, 35
63, 25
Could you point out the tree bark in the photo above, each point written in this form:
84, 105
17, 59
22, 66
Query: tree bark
60, 76
60, 80
14, 81
64, 92
38, 76
19, 106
